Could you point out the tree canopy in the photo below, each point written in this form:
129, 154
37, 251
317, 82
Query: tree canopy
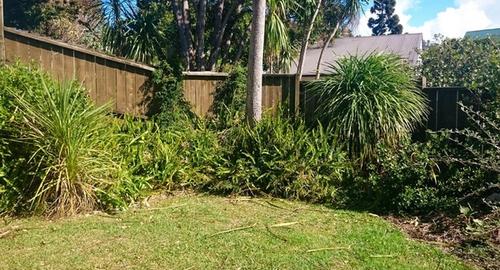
386, 21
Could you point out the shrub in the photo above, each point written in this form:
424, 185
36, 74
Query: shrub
13, 157
169, 106
279, 158
166, 158
474, 64
414, 179
228, 109
367, 100
68, 139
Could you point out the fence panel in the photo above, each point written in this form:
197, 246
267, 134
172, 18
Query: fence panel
118, 81
444, 111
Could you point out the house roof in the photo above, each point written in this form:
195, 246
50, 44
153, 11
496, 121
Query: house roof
406, 45
479, 34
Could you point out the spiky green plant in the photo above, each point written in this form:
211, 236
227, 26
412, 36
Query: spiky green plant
369, 99
67, 137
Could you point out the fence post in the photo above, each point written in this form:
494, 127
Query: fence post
2, 38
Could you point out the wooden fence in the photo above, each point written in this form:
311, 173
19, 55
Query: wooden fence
200, 87
123, 82
126, 83
445, 112
106, 78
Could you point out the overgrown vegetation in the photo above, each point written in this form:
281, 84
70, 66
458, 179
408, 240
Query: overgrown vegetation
473, 64
67, 156
368, 100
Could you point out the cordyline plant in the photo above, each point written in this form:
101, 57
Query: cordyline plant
68, 137
368, 100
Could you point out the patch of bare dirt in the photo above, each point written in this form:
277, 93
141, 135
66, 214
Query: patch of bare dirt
476, 241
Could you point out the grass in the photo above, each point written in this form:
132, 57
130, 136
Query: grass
206, 232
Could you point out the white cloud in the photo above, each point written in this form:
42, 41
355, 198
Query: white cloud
465, 16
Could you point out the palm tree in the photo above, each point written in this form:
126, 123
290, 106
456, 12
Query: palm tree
339, 14
255, 62
279, 50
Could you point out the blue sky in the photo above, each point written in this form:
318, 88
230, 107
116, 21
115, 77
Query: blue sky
452, 18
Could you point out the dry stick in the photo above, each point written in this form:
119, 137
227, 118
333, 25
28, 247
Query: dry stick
275, 235
329, 248
382, 256
2, 235
233, 230
283, 224
160, 208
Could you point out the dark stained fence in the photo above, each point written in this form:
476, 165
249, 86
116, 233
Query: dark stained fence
445, 112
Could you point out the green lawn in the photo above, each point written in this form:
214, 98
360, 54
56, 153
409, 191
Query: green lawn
205, 232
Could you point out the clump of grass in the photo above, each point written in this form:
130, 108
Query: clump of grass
368, 100
67, 138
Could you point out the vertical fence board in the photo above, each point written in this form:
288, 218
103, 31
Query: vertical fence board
68, 65
121, 88
57, 69
110, 73
130, 85
140, 81
101, 90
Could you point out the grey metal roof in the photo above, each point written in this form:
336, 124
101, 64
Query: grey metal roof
406, 45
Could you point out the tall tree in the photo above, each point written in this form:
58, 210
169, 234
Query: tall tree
2, 44
386, 20
256, 62
305, 44
338, 15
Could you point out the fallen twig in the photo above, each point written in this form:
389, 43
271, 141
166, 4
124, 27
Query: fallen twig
233, 230
382, 256
284, 224
159, 208
328, 248
3, 234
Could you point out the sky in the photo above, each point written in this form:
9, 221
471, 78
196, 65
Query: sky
451, 18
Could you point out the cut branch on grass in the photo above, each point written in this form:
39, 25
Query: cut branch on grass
328, 248
233, 230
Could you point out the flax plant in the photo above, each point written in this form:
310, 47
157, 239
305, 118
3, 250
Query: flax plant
369, 99
67, 137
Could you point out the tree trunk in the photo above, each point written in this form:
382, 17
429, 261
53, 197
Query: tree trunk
187, 30
255, 62
217, 42
200, 34
2, 38
303, 52
183, 43
320, 59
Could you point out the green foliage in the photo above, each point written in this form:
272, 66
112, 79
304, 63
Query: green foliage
142, 33
228, 109
386, 20
57, 155
166, 158
367, 100
474, 64
168, 106
414, 179
279, 158
67, 136
13, 158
